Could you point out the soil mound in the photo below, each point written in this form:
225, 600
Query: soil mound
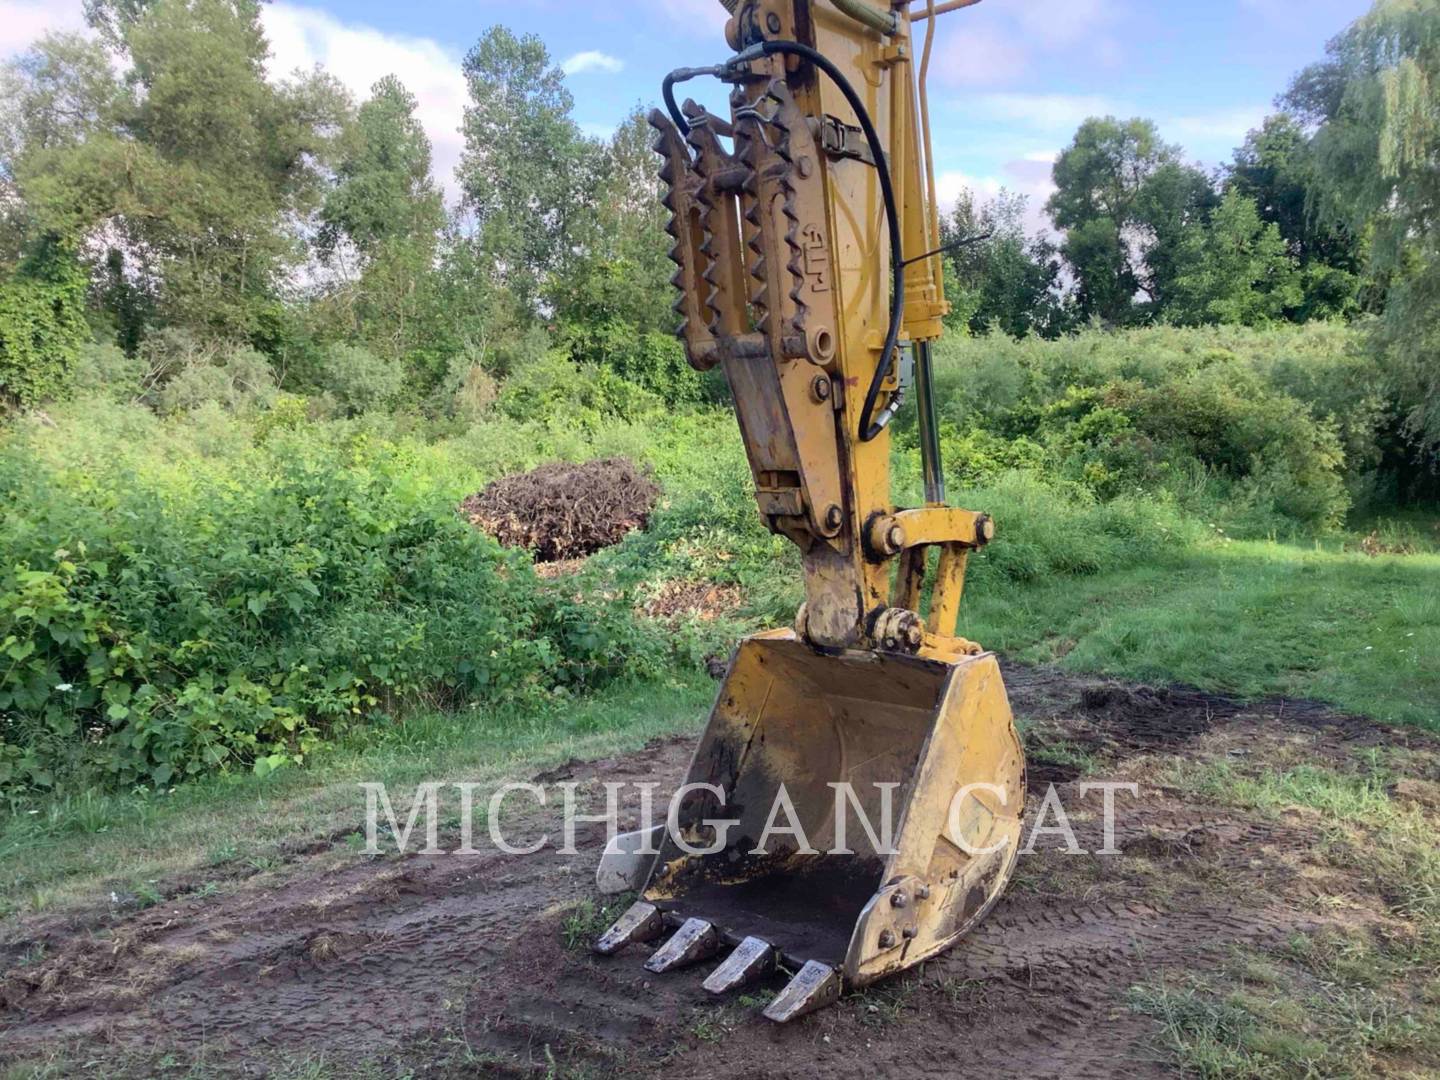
564, 511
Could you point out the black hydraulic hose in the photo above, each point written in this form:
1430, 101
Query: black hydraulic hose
869, 427
667, 91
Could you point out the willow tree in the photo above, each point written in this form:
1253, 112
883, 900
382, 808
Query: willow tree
1375, 104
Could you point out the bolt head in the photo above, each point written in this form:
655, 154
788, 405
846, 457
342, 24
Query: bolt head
772, 23
834, 517
895, 538
887, 939
898, 899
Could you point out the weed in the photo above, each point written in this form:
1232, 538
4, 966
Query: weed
587, 920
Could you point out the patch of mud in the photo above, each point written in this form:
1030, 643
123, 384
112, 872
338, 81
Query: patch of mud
455, 965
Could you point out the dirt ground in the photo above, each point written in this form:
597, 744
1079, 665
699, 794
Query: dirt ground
450, 965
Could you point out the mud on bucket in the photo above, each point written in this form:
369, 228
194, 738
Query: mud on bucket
807, 750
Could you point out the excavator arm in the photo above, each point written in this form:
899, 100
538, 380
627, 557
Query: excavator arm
805, 238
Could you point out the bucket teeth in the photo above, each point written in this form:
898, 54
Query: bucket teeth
641, 922
752, 959
816, 986
696, 940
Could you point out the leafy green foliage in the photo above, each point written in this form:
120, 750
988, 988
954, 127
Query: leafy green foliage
1002, 279
236, 379
1234, 269
526, 168
160, 621
42, 327
555, 387
1277, 168
1125, 199
1211, 420
358, 380
1374, 102
199, 167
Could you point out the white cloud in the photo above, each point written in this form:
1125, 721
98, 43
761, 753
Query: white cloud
1061, 113
1217, 125
357, 55
22, 21
1028, 176
592, 60
702, 18
978, 56
1057, 24
990, 46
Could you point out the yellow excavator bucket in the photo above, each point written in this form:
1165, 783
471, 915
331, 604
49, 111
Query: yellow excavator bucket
802, 752
855, 802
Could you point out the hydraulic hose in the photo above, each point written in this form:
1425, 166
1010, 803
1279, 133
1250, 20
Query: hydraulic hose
870, 425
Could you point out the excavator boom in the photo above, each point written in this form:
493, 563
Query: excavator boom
806, 245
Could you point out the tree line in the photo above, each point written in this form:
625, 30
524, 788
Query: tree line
174, 213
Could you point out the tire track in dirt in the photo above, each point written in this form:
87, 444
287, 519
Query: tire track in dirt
454, 964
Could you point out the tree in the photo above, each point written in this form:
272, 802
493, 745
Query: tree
1276, 168
383, 190
527, 172
380, 227
1375, 106
1235, 268
1007, 279
1124, 199
199, 174
621, 271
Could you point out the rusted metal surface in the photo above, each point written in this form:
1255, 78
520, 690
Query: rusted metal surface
696, 940
816, 986
641, 922
752, 960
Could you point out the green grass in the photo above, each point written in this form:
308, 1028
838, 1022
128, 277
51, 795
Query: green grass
1251, 619
75, 851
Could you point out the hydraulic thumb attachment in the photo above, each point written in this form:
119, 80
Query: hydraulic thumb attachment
854, 805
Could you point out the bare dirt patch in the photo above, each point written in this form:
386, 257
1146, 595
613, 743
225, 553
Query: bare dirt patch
459, 965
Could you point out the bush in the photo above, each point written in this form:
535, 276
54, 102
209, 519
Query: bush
1216, 419
106, 370
555, 389
42, 328
358, 380
183, 372
161, 619
648, 358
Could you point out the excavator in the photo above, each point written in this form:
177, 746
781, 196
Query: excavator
809, 262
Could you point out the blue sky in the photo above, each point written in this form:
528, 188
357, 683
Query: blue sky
1011, 81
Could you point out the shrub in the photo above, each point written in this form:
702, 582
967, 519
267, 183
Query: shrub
555, 389
162, 619
648, 358
186, 372
358, 380
1211, 417
106, 370
42, 327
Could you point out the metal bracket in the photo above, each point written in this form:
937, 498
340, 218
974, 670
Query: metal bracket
841, 140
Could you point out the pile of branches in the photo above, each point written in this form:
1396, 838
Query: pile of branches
563, 511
